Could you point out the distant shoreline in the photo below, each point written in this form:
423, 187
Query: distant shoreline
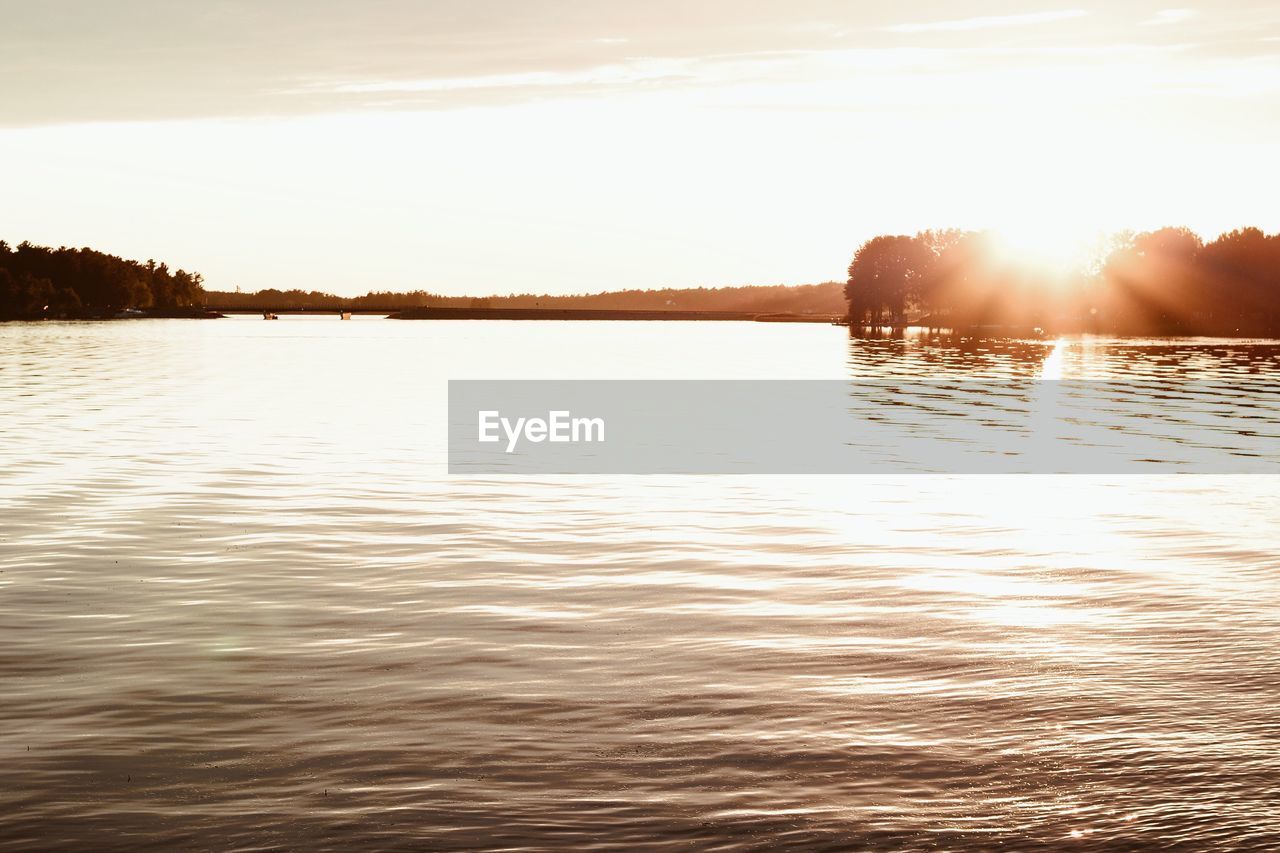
122, 314
433, 313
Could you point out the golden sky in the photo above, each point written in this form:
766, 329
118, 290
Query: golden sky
484, 146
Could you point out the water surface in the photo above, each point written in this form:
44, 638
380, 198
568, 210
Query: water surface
242, 606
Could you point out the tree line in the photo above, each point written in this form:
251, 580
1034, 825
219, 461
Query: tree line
824, 298
40, 282
1163, 282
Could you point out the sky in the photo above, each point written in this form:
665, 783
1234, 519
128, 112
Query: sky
496, 146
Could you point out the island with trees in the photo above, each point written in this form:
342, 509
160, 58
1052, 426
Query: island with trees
1164, 282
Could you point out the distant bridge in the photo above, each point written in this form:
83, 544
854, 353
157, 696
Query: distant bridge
293, 309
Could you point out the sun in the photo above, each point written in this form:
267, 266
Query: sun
1045, 246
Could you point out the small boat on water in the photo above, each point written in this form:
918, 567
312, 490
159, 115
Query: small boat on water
130, 314
267, 315
345, 315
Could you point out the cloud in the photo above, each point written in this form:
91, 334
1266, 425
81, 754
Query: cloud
989, 22
1166, 17
606, 75
140, 60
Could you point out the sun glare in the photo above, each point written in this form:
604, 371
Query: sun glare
1044, 246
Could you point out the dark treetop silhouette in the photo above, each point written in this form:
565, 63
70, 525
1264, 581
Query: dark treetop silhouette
1165, 282
36, 282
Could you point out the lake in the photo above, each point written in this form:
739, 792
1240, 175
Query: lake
244, 606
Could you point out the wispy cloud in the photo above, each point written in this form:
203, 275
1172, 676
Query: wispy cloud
989, 22
641, 71
1165, 17
845, 78
648, 72
417, 55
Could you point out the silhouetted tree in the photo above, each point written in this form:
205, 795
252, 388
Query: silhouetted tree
37, 281
887, 275
1153, 283
1241, 272
1158, 282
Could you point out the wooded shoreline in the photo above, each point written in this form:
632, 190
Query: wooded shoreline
434, 313
1163, 283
